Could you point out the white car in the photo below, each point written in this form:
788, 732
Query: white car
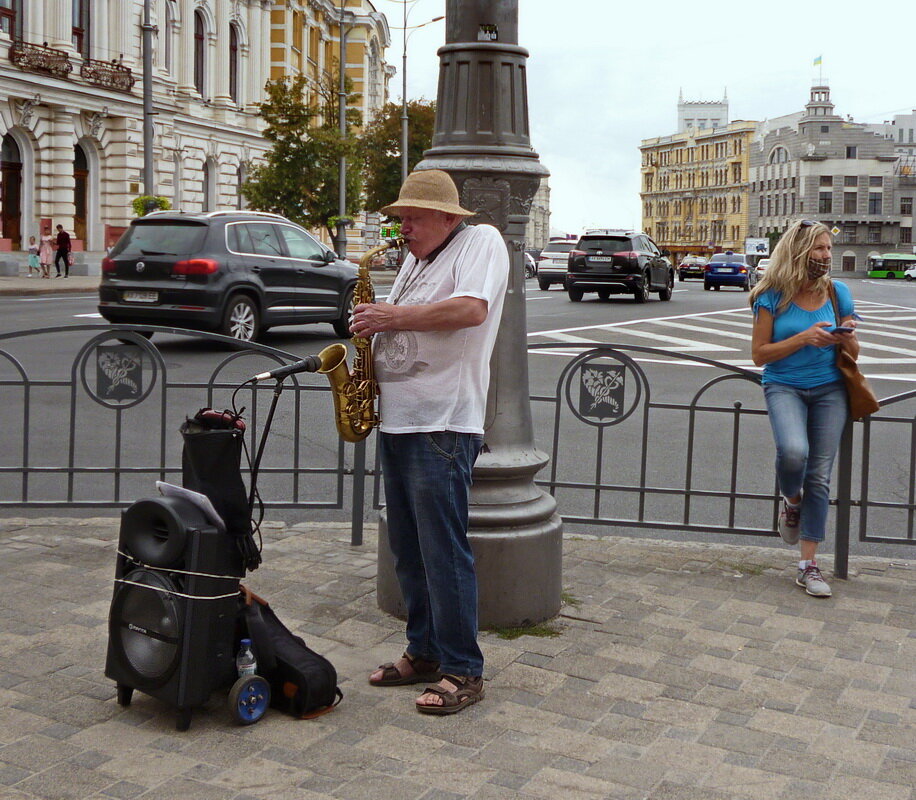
910, 274
761, 267
531, 267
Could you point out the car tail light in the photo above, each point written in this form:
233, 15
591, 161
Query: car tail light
628, 254
578, 253
196, 266
743, 269
108, 265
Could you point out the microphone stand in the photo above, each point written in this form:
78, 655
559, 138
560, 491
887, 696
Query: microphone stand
278, 388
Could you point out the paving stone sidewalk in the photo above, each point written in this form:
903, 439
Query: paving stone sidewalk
680, 671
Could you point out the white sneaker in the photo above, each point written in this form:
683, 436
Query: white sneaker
811, 580
788, 522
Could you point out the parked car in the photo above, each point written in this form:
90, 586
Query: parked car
729, 269
910, 274
619, 262
552, 262
235, 272
531, 267
691, 267
761, 267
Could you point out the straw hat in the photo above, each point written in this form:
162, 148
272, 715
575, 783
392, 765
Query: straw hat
430, 188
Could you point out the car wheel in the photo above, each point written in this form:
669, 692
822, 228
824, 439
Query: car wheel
642, 292
706, 286
718, 287
575, 293
342, 323
241, 320
889, 274
543, 284
604, 294
747, 286
665, 294
908, 277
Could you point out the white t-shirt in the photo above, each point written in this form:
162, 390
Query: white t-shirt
437, 380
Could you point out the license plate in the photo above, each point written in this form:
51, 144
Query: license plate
601, 258
723, 269
140, 297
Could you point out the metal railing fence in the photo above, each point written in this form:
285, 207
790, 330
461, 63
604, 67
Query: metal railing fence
633, 443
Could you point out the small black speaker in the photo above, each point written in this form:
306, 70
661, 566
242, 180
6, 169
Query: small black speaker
171, 628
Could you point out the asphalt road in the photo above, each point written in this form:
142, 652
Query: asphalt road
714, 325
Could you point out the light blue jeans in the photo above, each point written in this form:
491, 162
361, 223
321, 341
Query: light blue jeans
427, 487
807, 427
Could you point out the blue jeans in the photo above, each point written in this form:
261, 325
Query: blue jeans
427, 485
807, 427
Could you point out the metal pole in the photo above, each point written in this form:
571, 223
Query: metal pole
342, 122
404, 102
149, 187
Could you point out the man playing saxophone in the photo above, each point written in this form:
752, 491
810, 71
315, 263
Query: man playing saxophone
432, 345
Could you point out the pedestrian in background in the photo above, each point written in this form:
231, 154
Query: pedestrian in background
63, 251
807, 403
34, 263
46, 253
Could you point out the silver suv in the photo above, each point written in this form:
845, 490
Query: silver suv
552, 262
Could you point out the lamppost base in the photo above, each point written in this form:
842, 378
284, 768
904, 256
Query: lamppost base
519, 573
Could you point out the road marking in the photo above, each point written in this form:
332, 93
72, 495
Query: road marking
87, 316
626, 323
56, 297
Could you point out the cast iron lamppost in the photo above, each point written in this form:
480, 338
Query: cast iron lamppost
407, 35
482, 140
149, 187
341, 238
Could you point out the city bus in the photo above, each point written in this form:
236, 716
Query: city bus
890, 265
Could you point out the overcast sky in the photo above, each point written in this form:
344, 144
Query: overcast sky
603, 75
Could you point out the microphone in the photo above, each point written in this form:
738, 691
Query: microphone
308, 364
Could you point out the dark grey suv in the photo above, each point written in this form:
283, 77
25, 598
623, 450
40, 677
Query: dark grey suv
236, 272
618, 262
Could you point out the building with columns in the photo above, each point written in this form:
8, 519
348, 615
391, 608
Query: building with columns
71, 101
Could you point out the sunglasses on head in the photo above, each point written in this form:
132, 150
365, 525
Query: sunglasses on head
807, 223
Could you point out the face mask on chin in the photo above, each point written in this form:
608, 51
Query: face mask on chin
817, 269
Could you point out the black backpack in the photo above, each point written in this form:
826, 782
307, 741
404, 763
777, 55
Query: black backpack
302, 682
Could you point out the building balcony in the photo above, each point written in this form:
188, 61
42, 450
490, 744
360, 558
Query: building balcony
40, 58
108, 74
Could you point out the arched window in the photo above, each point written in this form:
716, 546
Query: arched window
200, 49
234, 63
80, 30
11, 18
779, 155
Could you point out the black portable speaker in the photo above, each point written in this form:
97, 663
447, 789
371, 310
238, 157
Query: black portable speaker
171, 628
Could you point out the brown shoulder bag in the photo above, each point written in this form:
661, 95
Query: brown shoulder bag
862, 400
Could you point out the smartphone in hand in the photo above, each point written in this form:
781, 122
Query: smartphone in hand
841, 329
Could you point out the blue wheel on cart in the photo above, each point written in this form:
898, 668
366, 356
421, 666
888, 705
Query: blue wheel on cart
249, 699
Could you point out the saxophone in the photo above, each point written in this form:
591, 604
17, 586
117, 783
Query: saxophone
355, 392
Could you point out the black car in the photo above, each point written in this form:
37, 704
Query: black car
236, 272
618, 262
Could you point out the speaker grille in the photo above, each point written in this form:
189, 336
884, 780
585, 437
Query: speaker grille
145, 626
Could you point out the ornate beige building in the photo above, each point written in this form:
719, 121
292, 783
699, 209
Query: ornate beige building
71, 101
695, 188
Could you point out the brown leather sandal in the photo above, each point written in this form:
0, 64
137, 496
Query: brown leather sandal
423, 671
468, 690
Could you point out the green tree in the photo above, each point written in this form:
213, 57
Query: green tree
300, 176
381, 148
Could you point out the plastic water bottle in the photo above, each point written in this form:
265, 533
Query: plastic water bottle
245, 661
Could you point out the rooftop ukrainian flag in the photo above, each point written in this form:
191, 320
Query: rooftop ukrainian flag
817, 61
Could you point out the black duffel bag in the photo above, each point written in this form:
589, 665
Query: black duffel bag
302, 682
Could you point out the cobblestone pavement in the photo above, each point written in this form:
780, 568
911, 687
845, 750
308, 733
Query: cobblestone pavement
683, 671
